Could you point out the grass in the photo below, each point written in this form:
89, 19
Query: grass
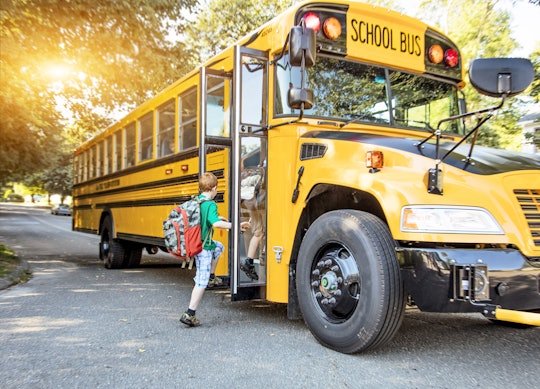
9, 263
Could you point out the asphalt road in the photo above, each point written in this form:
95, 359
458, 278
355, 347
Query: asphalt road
78, 325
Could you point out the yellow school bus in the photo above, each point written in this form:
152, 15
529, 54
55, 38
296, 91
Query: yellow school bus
371, 189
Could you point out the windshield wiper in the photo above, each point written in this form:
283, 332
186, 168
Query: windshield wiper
408, 121
357, 119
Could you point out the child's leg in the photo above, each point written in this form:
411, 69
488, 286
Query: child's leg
203, 262
216, 254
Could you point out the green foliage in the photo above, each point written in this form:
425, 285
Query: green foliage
481, 29
76, 62
535, 87
66, 67
8, 261
220, 23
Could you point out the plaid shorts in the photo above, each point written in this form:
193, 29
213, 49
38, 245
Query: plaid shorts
203, 261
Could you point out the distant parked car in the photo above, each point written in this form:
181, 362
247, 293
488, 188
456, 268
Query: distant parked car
61, 209
14, 198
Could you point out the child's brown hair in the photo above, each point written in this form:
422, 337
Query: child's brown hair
207, 182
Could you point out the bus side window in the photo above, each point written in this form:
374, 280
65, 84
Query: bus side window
118, 147
146, 136
76, 166
187, 121
165, 130
91, 162
130, 145
85, 166
109, 155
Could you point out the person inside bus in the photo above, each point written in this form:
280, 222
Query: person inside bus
167, 146
207, 260
253, 195
253, 200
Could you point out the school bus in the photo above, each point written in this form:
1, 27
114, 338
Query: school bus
372, 190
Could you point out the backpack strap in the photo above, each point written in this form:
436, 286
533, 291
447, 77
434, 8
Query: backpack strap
200, 201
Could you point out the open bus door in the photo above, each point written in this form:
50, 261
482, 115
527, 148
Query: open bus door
248, 172
216, 143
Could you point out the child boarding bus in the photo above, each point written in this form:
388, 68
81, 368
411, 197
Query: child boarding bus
341, 124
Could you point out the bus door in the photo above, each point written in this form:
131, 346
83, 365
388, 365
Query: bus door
248, 267
216, 144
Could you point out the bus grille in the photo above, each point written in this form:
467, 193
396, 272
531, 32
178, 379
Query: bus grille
529, 201
312, 150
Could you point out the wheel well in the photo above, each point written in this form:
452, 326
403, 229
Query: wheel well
102, 218
325, 198
322, 199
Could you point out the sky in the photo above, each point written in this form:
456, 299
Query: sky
525, 24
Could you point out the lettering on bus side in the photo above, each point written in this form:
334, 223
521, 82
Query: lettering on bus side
385, 37
108, 184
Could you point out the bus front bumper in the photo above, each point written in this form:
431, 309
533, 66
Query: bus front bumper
500, 283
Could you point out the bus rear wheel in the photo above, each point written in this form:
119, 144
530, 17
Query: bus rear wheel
111, 251
348, 281
133, 255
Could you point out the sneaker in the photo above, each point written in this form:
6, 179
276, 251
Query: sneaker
248, 268
190, 320
215, 282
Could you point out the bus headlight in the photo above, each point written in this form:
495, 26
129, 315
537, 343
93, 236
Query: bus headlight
449, 220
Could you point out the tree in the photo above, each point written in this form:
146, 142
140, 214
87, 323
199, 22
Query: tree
481, 29
220, 23
535, 87
80, 57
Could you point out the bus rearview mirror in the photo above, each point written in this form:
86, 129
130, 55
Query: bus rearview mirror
496, 77
298, 96
302, 45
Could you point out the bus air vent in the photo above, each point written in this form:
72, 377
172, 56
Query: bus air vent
312, 151
529, 201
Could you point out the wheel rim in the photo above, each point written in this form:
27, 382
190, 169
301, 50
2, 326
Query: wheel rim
335, 284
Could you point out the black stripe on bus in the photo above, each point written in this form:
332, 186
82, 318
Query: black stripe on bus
169, 201
147, 185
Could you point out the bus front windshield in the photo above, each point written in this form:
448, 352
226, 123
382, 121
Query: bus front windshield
349, 91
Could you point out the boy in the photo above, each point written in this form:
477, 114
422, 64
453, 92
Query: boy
206, 261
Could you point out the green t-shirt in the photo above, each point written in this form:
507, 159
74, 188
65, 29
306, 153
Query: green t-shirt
209, 215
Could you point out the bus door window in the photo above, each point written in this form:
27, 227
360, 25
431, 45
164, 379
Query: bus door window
253, 209
165, 129
252, 166
253, 100
146, 136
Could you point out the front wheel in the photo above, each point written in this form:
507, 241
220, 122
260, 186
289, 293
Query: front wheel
348, 281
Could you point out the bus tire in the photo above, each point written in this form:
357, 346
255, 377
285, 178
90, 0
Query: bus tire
112, 251
348, 280
133, 256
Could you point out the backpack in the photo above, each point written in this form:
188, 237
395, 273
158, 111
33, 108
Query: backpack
182, 229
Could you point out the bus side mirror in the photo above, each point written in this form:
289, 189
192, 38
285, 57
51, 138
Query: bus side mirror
496, 77
298, 96
302, 46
